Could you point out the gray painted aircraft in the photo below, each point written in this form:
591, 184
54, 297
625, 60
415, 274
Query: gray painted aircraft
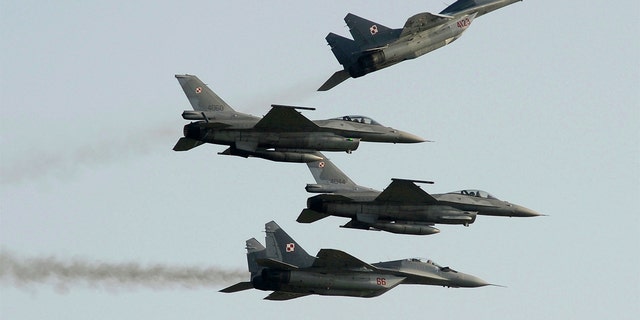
375, 46
284, 267
402, 207
283, 134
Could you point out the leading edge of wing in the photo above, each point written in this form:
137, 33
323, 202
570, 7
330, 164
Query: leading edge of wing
405, 191
285, 119
339, 260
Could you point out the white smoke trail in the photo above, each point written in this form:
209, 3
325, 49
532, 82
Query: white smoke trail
110, 148
23, 272
39, 164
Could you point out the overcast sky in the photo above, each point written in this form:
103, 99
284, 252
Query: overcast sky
537, 103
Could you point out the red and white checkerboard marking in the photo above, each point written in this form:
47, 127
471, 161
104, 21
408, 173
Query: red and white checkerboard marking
373, 29
290, 247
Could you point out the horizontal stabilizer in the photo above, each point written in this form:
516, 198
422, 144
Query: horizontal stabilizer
275, 264
238, 287
339, 260
309, 216
281, 295
336, 79
185, 144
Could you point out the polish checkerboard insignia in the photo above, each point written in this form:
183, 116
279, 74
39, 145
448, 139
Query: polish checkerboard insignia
290, 247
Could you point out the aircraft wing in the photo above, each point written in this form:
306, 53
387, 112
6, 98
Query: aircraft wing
423, 21
405, 191
285, 119
281, 295
339, 260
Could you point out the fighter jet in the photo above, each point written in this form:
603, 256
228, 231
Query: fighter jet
402, 207
285, 268
282, 135
375, 46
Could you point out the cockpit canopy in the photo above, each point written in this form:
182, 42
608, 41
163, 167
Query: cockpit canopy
475, 193
431, 262
424, 260
359, 119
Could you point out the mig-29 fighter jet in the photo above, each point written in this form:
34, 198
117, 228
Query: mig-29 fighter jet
375, 46
282, 135
402, 207
286, 269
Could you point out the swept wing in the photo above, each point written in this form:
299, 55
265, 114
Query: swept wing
405, 191
331, 259
285, 119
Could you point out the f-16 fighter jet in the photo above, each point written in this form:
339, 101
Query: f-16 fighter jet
402, 207
375, 46
286, 269
282, 135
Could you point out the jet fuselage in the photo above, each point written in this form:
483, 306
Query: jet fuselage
326, 141
331, 135
410, 46
391, 211
460, 207
344, 283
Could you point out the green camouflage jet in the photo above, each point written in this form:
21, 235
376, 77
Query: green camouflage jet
402, 207
285, 268
283, 134
375, 46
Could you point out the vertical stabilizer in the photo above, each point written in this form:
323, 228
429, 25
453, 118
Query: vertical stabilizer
368, 34
343, 48
255, 250
327, 174
281, 247
200, 96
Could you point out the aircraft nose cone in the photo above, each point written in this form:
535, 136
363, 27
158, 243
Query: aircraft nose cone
469, 281
521, 211
405, 137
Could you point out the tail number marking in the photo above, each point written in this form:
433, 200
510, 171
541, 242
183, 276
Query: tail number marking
464, 23
381, 281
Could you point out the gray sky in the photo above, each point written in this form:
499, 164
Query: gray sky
538, 103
